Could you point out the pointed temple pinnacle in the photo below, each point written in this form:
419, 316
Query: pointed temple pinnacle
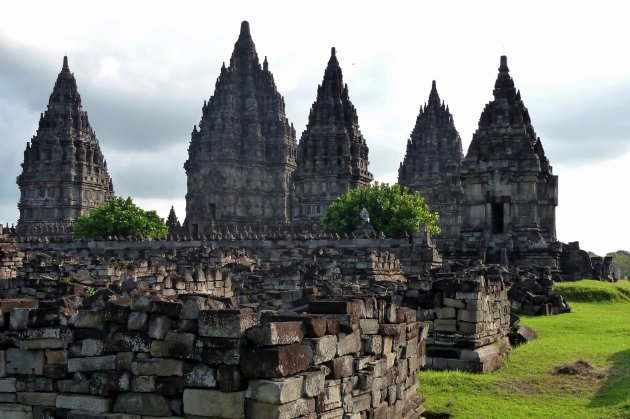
65, 63
333, 52
433, 85
245, 29
504, 67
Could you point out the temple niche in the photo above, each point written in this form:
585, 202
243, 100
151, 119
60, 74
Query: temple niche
510, 191
332, 154
241, 157
432, 165
64, 174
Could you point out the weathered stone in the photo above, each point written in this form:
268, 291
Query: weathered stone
143, 384
199, 375
80, 402
159, 326
230, 378
322, 349
94, 363
341, 367
348, 344
315, 326
92, 347
138, 321
179, 345
37, 399
158, 367
274, 362
142, 404
127, 342
368, 326
294, 409
20, 361
89, 319
276, 392
103, 384
214, 403
313, 383
228, 323
276, 333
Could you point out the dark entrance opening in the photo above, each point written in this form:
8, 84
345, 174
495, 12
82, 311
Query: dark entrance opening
497, 218
213, 212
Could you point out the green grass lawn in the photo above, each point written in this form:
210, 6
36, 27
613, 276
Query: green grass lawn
597, 330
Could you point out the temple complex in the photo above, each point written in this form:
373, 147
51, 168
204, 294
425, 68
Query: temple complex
432, 165
332, 154
241, 157
510, 192
64, 174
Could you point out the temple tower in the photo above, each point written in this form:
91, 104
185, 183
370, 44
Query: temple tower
241, 157
64, 174
332, 154
432, 165
510, 192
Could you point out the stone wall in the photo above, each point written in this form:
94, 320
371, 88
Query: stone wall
196, 356
468, 312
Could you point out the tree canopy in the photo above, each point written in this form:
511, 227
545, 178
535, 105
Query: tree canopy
120, 217
393, 210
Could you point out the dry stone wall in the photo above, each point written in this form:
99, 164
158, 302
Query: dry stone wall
468, 313
110, 356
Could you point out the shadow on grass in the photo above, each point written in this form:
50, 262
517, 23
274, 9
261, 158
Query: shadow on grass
616, 389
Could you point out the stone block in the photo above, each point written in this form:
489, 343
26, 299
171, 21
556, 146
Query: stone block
19, 361
313, 383
368, 326
7, 385
103, 384
179, 345
276, 392
148, 304
92, 347
89, 319
348, 344
80, 402
228, 323
450, 302
230, 378
142, 404
127, 342
143, 384
200, 375
361, 402
94, 363
16, 411
372, 344
56, 357
273, 362
37, 398
214, 403
297, 408
330, 398
18, 319
341, 367
314, 326
322, 349
158, 367
276, 333
159, 326
138, 321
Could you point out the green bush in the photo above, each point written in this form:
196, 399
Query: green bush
393, 210
120, 217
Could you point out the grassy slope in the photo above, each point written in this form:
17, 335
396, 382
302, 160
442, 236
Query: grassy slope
598, 330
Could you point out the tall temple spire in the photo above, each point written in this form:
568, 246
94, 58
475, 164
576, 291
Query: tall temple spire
332, 154
432, 164
511, 192
64, 174
241, 158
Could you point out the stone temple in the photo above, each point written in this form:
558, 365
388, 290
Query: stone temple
432, 165
241, 157
332, 154
510, 191
64, 174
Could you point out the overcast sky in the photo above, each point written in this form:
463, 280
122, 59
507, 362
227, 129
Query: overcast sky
144, 69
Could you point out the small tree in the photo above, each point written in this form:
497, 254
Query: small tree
393, 210
120, 217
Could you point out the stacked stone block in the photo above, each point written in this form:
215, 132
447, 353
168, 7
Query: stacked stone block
202, 357
469, 314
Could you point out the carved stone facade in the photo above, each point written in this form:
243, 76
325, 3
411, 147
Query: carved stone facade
432, 165
241, 158
64, 174
510, 192
332, 154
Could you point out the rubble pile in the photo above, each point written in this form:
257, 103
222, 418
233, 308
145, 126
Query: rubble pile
532, 293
